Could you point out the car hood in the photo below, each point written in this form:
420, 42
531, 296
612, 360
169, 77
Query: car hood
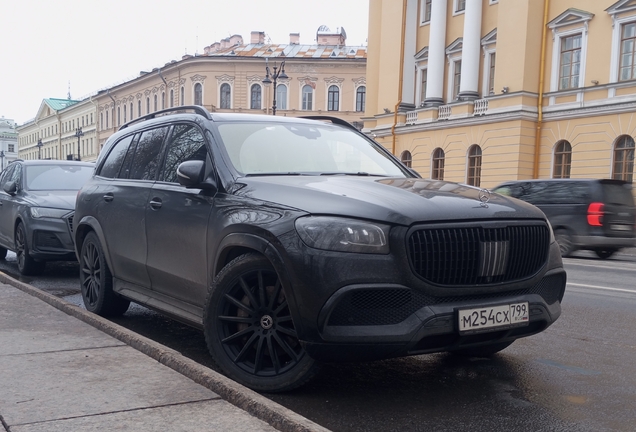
402, 201
53, 199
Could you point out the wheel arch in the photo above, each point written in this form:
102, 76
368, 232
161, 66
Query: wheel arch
86, 225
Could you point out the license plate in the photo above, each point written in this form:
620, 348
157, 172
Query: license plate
617, 227
510, 315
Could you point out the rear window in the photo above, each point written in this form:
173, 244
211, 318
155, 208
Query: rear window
619, 194
541, 193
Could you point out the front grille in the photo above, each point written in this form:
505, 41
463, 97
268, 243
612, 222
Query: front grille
386, 306
470, 256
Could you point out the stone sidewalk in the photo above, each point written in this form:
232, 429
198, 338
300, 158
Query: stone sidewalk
65, 369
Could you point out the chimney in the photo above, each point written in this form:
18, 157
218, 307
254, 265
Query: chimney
294, 38
258, 37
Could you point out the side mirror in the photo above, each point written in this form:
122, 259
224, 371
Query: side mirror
11, 188
191, 174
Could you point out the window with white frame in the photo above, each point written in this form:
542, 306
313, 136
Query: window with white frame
570, 62
437, 168
307, 98
198, 94
333, 98
225, 96
457, 77
422, 80
182, 97
147, 105
425, 11
624, 158
627, 69
562, 160
155, 103
460, 6
163, 100
281, 96
361, 98
255, 97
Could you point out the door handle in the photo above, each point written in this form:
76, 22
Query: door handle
109, 197
155, 203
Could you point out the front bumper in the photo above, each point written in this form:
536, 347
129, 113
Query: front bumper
50, 239
366, 323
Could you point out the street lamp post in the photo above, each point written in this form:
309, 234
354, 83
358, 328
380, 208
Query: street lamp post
79, 134
39, 148
278, 73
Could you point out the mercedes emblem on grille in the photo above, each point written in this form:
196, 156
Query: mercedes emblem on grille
484, 196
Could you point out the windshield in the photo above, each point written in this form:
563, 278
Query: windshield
57, 177
284, 149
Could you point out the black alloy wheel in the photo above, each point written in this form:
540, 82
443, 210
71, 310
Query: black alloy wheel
26, 265
249, 329
97, 281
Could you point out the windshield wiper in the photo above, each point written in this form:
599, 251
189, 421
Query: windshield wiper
274, 174
359, 173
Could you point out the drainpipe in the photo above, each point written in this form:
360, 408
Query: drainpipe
401, 82
537, 139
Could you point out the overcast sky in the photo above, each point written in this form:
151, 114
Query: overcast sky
96, 44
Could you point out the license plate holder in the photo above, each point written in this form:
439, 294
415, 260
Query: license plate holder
492, 318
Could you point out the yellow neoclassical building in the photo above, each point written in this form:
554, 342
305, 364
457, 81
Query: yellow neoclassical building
483, 91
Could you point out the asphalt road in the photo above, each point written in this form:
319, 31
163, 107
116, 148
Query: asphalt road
579, 375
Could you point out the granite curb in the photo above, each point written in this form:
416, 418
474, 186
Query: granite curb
240, 396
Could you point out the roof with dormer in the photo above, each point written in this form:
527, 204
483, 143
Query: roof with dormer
293, 51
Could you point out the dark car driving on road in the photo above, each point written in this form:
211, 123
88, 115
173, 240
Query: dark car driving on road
587, 214
296, 241
37, 204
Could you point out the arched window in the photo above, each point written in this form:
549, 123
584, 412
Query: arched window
182, 98
624, 158
361, 97
226, 96
406, 158
333, 98
198, 94
139, 108
255, 97
163, 100
155, 105
171, 98
106, 119
131, 111
281, 96
124, 113
118, 115
562, 160
147, 105
474, 165
308, 98
438, 164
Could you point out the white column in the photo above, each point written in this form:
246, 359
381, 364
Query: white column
436, 54
410, 47
469, 84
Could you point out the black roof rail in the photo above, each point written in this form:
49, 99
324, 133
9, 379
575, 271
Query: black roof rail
196, 108
334, 120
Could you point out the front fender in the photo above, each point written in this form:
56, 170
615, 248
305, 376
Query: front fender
85, 225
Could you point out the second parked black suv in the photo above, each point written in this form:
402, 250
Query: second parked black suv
294, 241
590, 214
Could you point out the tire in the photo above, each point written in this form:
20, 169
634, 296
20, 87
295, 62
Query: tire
249, 330
3, 253
97, 281
26, 265
483, 351
564, 240
605, 253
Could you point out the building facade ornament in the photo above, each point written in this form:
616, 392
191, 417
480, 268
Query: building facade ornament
225, 79
198, 78
334, 80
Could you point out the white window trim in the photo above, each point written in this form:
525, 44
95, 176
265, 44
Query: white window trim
484, 86
423, 14
262, 95
313, 98
455, 11
452, 59
218, 103
616, 51
339, 97
355, 97
202, 93
286, 97
556, 61
418, 87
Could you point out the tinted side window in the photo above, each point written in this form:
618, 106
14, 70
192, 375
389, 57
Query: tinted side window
557, 192
17, 175
186, 143
148, 153
6, 175
115, 158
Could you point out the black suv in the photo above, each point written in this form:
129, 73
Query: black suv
588, 214
37, 203
294, 241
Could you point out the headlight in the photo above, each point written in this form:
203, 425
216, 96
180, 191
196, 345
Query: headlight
343, 235
45, 212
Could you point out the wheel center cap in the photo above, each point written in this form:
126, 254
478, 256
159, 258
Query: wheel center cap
267, 322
